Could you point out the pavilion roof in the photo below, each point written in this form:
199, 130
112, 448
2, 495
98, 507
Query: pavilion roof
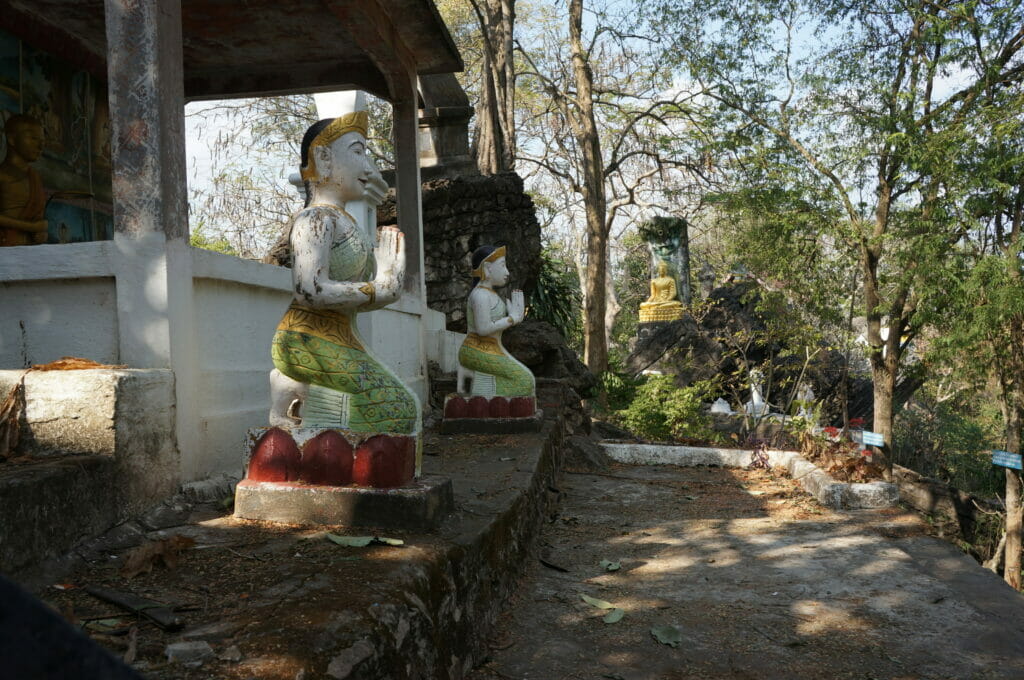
236, 48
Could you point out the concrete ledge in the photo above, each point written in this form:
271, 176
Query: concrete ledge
828, 492
422, 505
101, 449
425, 609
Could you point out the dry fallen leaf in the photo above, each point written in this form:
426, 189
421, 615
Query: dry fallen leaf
142, 559
74, 364
10, 414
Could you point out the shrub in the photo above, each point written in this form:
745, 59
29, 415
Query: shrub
661, 411
557, 300
951, 443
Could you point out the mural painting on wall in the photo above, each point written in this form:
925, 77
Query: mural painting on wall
69, 173
10, 72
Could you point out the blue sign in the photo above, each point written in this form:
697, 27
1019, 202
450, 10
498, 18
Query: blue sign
1007, 459
873, 439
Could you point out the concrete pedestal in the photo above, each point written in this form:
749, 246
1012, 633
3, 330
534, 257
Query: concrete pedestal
493, 425
648, 329
418, 506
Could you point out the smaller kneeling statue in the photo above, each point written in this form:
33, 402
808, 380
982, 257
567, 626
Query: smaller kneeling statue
662, 305
491, 382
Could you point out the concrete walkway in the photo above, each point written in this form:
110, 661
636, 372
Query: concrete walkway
758, 580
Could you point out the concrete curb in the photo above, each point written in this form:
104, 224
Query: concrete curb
828, 492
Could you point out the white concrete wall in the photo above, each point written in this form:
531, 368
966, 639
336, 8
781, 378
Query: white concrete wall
55, 301
102, 301
237, 304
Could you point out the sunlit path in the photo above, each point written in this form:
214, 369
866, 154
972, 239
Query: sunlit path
758, 580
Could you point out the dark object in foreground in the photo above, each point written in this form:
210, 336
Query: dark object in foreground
36, 643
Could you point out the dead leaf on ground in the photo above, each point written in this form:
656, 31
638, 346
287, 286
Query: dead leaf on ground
108, 626
594, 602
614, 616
667, 635
167, 552
363, 541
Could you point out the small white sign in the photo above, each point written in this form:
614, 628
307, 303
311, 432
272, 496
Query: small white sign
1007, 459
873, 439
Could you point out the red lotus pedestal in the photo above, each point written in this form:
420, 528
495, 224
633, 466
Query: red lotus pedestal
465, 414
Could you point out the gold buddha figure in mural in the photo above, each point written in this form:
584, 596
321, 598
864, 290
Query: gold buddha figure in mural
662, 305
22, 199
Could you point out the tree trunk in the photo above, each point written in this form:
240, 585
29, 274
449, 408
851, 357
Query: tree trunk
883, 378
595, 350
494, 143
612, 306
1011, 572
1013, 410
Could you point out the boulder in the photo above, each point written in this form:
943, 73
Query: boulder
543, 350
582, 453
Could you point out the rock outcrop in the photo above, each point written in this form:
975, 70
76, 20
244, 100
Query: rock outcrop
542, 348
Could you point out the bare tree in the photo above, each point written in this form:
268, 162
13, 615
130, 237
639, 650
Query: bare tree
243, 195
602, 120
241, 200
494, 142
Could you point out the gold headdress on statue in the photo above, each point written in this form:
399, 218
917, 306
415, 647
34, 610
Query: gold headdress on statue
357, 121
493, 257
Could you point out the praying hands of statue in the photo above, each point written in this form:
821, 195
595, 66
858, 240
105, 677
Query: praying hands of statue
517, 306
390, 255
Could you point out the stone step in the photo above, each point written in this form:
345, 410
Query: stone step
48, 506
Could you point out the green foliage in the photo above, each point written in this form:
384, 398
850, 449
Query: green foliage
618, 389
201, 238
950, 441
556, 299
852, 161
661, 411
632, 286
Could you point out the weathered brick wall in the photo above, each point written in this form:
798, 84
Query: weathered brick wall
459, 215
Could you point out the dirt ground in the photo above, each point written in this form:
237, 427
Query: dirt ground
270, 600
755, 579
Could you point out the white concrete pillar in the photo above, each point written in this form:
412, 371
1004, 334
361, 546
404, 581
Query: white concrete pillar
154, 273
408, 200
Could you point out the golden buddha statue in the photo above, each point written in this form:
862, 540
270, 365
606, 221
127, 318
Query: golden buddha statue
22, 198
662, 305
